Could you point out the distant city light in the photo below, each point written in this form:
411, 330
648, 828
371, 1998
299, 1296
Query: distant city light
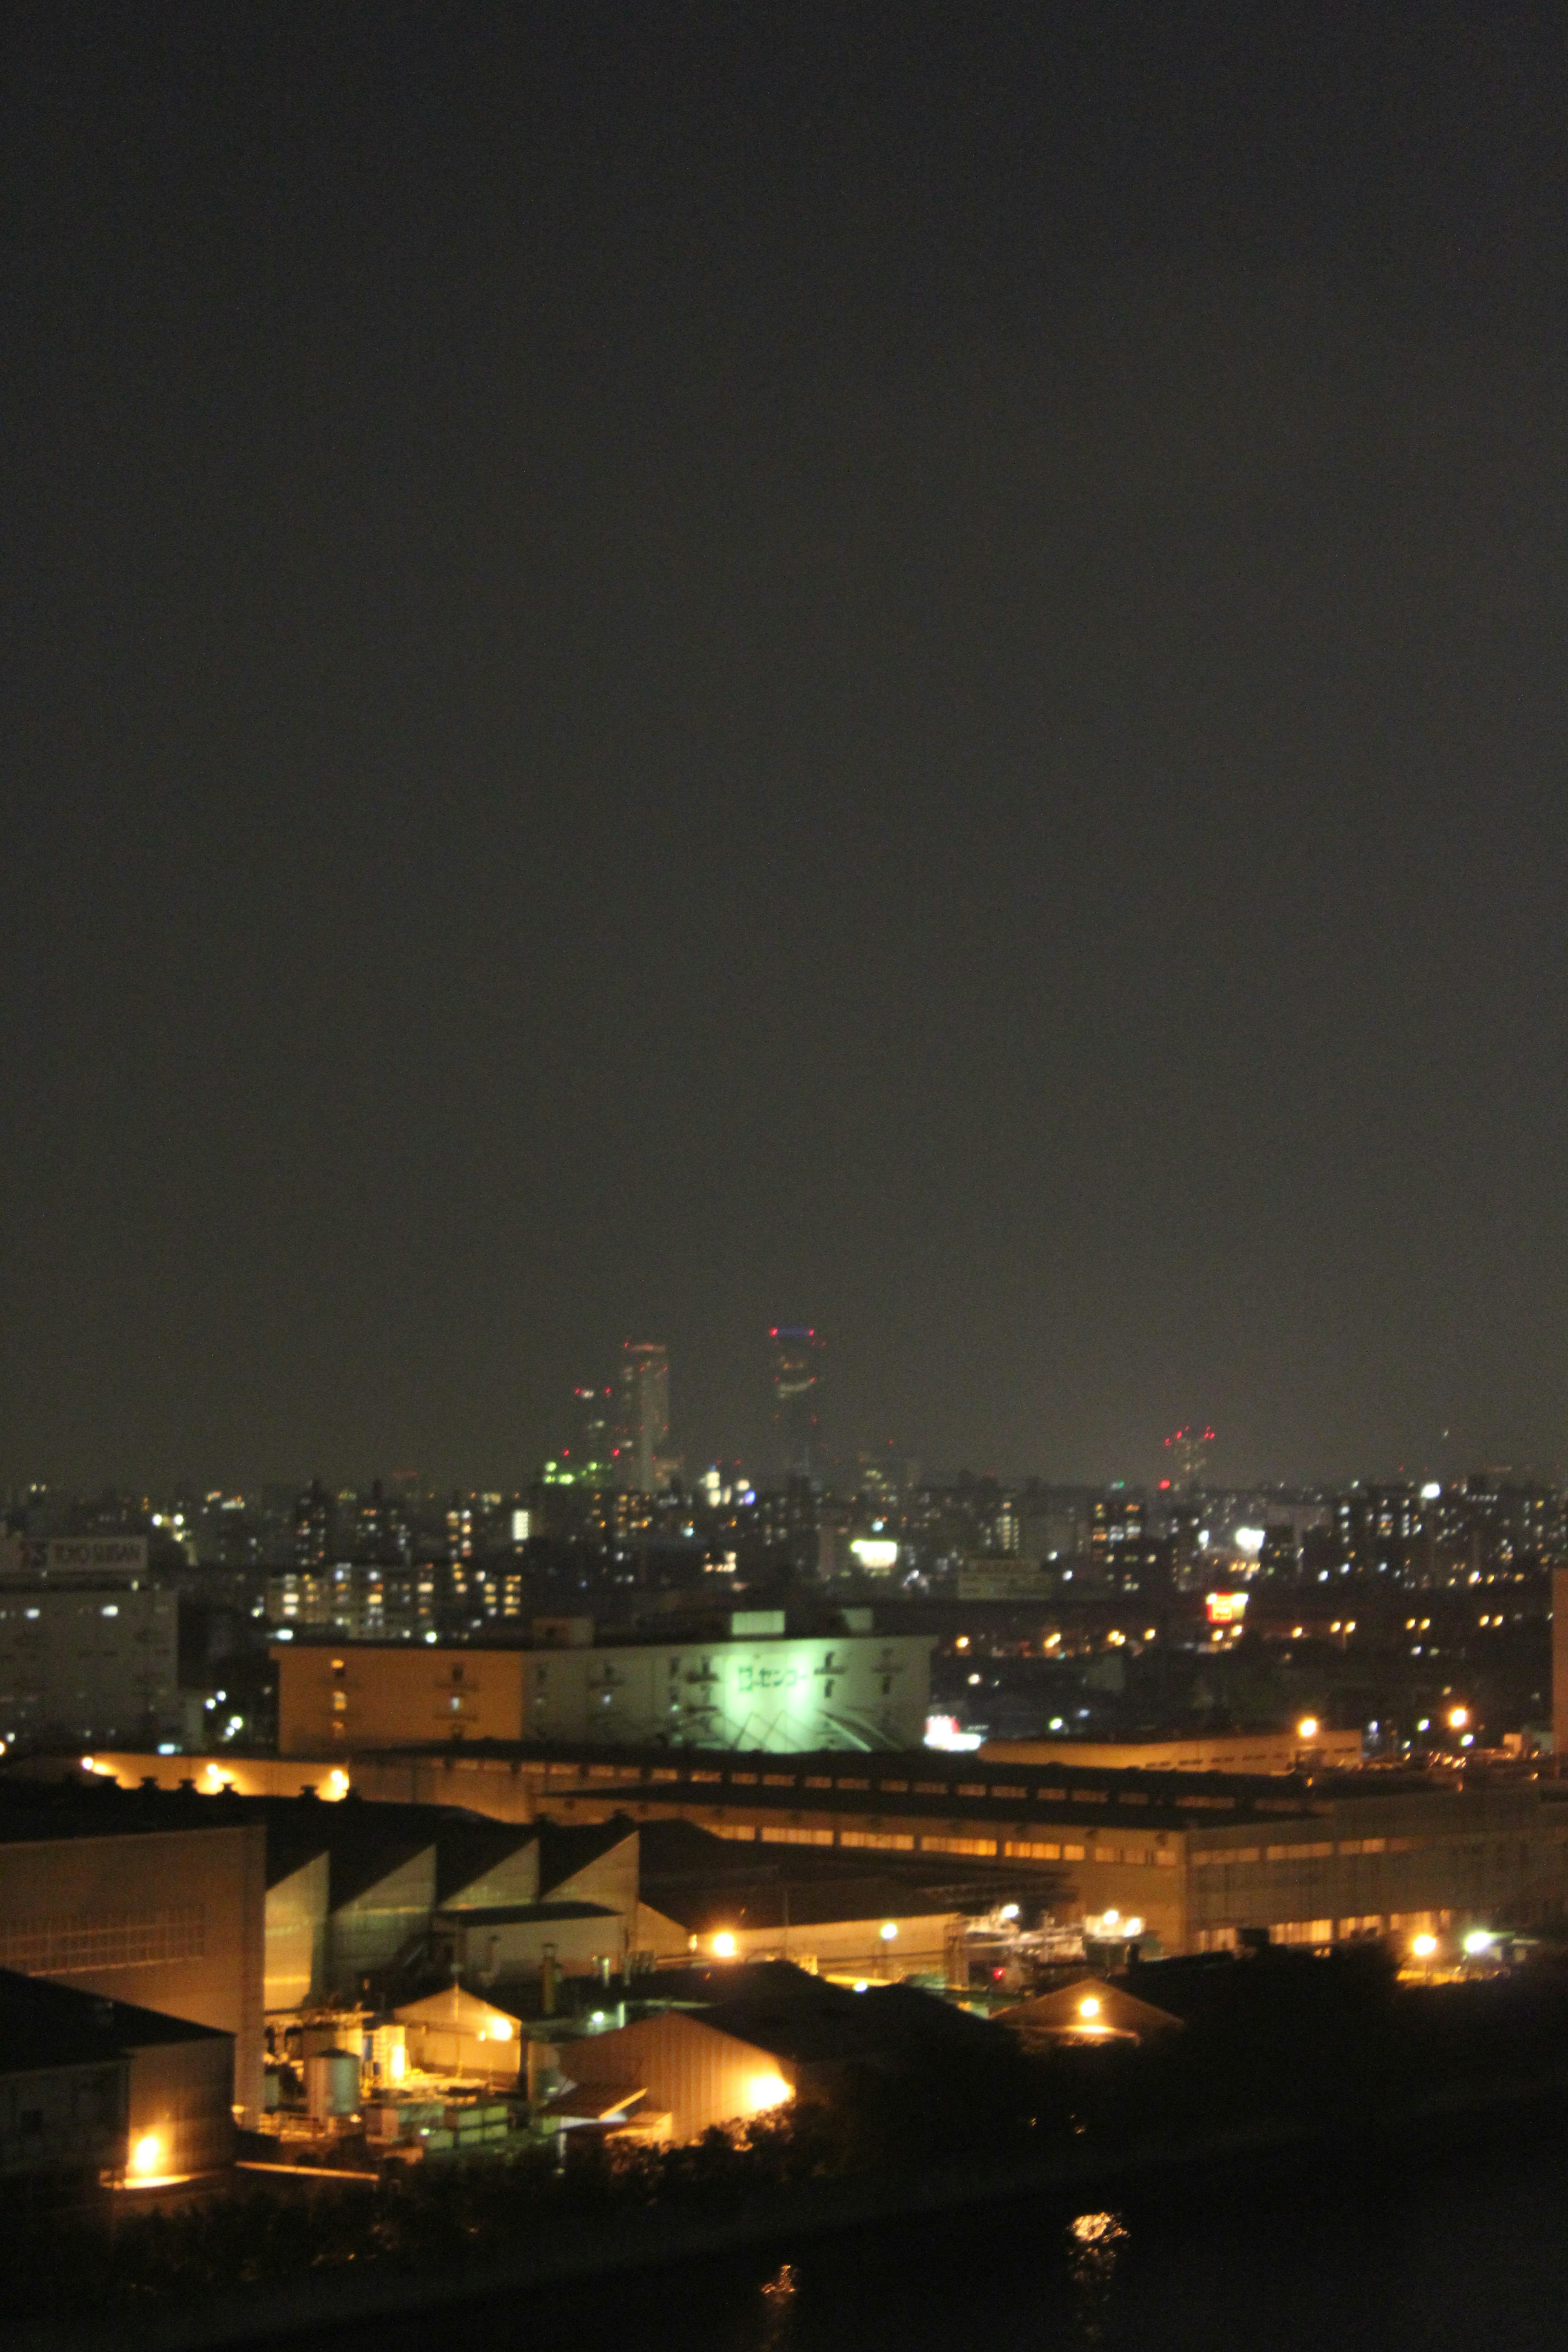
1423, 1946
887, 1931
1249, 1540
875, 1554
1089, 2006
724, 1946
1225, 1608
1308, 1728
147, 2154
1457, 1718
1479, 1940
943, 1731
1431, 1491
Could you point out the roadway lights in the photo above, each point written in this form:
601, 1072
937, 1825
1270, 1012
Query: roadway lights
1457, 1718
1088, 2007
1424, 1947
724, 1945
887, 1931
1308, 1728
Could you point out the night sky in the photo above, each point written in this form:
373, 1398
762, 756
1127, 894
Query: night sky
675, 666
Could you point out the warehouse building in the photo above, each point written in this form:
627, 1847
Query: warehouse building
729, 1899
1309, 1746
166, 1919
1194, 1856
96, 2090
746, 2040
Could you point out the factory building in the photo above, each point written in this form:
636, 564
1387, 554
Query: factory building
729, 1899
745, 2041
1309, 1746
168, 1920
685, 2068
357, 1889
758, 1689
95, 2090
1195, 1857
1088, 2011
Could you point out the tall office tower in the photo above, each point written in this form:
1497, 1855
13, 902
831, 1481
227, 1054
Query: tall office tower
644, 1437
592, 1456
796, 1358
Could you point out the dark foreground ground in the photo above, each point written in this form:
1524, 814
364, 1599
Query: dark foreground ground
1462, 2249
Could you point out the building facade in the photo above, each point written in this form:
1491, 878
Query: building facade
89, 1661
857, 1691
172, 1921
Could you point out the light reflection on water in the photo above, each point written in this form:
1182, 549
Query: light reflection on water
778, 2293
1382, 2256
1094, 2242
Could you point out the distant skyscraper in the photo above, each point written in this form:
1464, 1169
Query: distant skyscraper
644, 1434
315, 1526
796, 1360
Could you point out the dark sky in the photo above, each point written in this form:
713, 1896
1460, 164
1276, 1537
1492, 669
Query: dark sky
667, 667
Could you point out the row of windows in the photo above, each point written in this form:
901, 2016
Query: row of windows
905, 1841
1320, 1850
57, 1946
1330, 1931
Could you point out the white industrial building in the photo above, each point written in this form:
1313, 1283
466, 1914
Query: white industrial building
88, 1646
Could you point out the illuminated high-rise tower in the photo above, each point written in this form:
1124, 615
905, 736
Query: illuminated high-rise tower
643, 1438
796, 1360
